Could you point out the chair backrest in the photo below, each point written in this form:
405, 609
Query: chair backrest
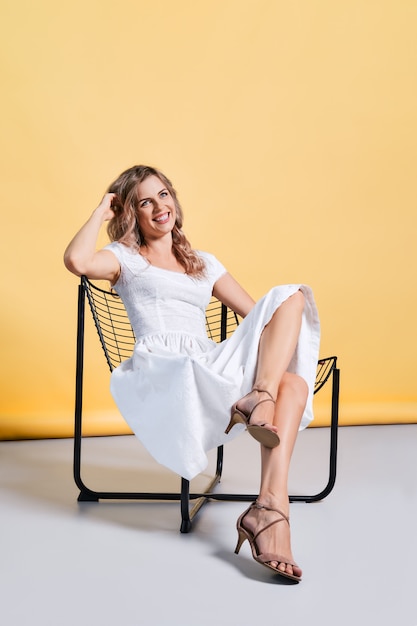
112, 323
115, 331
118, 340
325, 367
220, 321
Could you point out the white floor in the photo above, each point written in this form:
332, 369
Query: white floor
126, 564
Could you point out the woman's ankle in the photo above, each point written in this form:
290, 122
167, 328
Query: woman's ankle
273, 501
264, 387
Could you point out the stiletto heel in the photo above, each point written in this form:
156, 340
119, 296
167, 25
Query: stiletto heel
267, 557
265, 436
240, 539
237, 418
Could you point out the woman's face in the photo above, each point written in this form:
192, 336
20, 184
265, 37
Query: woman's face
156, 211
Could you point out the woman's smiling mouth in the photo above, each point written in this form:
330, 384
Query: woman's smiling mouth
162, 219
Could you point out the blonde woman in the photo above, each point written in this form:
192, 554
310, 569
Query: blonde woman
181, 393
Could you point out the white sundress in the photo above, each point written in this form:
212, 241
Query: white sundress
177, 389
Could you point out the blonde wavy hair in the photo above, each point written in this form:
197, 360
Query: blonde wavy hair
124, 226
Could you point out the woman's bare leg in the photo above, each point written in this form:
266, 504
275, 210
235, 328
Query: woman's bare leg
276, 348
278, 342
275, 463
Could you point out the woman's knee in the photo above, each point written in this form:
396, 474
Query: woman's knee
294, 384
298, 300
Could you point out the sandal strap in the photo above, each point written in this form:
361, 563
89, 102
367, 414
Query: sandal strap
264, 391
258, 505
257, 404
270, 399
267, 557
283, 518
276, 521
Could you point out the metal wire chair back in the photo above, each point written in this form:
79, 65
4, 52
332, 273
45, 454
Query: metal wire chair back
115, 331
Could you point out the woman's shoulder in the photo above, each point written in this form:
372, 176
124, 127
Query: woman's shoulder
126, 255
117, 246
214, 267
207, 256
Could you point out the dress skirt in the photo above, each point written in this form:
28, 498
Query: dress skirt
176, 391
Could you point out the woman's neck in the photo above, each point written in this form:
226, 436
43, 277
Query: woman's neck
161, 254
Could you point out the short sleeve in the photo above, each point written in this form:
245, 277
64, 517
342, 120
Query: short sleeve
214, 268
115, 248
131, 263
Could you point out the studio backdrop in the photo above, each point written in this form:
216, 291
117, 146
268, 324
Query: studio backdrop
289, 130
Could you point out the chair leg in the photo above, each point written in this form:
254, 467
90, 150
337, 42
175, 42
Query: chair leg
333, 444
187, 514
219, 464
185, 506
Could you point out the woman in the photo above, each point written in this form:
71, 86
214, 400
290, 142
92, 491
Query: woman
181, 393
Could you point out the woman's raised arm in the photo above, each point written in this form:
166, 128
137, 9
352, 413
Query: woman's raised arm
81, 256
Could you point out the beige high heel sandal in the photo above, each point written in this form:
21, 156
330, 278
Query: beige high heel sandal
267, 557
266, 437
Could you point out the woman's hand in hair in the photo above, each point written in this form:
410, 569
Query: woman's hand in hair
108, 206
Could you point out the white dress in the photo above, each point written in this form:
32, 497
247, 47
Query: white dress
177, 389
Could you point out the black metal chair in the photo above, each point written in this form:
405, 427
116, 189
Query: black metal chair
117, 340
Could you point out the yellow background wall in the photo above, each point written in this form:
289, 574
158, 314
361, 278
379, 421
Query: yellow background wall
290, 132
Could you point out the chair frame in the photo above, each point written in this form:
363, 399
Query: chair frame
327, 369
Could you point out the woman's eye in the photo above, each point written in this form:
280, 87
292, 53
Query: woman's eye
163, 194
144, 203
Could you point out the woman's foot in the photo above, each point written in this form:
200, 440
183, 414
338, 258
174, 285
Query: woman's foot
259, 407
270, 531
260, 427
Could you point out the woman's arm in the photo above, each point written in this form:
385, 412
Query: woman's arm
228, 291
81, 256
